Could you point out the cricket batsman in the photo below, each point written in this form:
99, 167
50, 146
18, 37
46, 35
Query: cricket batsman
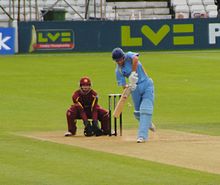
142, 89
86, 107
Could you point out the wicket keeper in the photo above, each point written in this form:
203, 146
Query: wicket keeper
86, 107
142, 89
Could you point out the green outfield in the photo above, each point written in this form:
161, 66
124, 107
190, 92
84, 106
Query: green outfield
35, 92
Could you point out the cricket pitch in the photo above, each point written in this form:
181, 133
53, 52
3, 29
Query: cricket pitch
194, 151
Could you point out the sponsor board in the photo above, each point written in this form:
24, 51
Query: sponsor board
140, 35
171, 36
7, 41
52, 39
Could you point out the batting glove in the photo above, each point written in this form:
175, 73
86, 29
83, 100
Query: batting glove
133, 78
132, 86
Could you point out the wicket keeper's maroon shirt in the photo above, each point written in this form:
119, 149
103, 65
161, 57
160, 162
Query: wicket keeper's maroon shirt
88, 101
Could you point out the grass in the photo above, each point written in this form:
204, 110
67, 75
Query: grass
36, 92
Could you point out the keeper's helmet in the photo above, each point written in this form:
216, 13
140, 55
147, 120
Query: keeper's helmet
117, 54
85, 81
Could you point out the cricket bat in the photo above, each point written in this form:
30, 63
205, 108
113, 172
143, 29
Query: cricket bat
120, 105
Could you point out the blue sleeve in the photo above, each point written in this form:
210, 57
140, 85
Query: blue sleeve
120, 78
132, 54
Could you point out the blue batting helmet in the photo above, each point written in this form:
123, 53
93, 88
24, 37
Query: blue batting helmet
117, 54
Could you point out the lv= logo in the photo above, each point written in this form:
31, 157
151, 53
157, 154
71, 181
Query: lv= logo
157, 37
179, 35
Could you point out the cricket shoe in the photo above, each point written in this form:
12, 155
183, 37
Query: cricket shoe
152, 128
67, 134
141, 140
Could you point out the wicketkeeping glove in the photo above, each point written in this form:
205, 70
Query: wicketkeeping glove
97, 131
88, 131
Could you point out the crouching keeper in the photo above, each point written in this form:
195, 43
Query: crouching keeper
86, 107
